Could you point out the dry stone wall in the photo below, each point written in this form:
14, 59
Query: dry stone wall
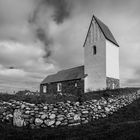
22, 114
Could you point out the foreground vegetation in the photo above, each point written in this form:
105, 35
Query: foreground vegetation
122, 125
38, 98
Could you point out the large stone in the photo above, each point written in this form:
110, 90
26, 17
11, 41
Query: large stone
103, 115
107, 109
40, 113
85, 112
75, 124
55, 109
38, 121
84, 122
45, 107
94, 101
52, 116
32, 113
23, 106
60, 116
77, 103
77, 117
32, 105
60, 119
36, 109
17, 118
65, 111
64, 123
68, 102
9, 116
31, 120
83, 119
58, 123
95, 109
49, 122
44, 116
99, 107
71, 114
27, 112
25, 116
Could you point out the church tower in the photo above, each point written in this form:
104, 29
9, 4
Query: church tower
101, 58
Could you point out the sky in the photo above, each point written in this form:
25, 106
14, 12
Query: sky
40, 37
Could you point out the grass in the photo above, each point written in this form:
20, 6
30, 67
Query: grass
122, 125
36, 99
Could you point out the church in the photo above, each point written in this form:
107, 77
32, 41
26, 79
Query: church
99, 71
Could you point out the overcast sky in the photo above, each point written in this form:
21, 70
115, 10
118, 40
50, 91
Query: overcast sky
40, 37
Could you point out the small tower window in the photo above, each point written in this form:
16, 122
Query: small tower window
94, 50
59, 87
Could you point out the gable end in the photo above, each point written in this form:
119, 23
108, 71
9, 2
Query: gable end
104, 29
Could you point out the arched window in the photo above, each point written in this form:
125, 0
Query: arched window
94, 50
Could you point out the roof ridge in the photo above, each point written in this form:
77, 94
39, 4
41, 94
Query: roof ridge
70, 68
67, 74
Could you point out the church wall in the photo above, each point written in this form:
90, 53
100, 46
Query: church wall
95, 64
112, 83
112, 60
75, 87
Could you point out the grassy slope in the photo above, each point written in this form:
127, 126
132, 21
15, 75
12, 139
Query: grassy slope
50, 99
122, 125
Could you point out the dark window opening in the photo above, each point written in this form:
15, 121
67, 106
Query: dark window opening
94, 50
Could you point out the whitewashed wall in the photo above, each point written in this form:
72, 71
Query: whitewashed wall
112, 60
95, 65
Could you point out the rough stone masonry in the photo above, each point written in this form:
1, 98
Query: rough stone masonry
22, 114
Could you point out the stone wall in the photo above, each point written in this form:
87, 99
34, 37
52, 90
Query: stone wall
28, 115
111, 81
68, 87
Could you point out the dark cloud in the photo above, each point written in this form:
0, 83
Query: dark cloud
41, 35
11, 67
62, 9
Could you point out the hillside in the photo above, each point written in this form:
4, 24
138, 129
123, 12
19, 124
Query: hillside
50, 99
121, 125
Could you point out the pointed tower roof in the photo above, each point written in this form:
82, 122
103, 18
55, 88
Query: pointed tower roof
105, 30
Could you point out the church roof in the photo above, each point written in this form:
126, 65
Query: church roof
105, 30
65, 75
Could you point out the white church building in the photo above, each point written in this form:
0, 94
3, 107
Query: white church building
100, 69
